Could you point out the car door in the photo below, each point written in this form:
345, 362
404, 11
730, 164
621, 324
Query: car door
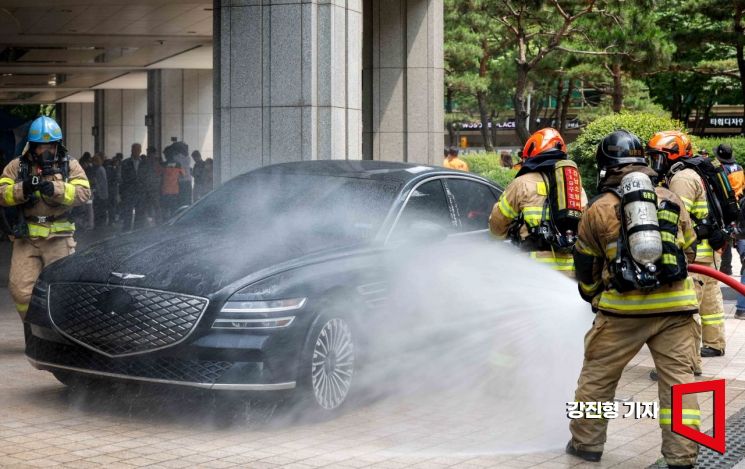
472, 202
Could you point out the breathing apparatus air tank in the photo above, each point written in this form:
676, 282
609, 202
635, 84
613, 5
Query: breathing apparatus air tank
639, 205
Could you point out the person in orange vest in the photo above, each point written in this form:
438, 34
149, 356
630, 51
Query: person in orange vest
736, 177
453, 162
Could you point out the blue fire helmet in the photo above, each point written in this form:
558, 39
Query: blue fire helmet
44, 130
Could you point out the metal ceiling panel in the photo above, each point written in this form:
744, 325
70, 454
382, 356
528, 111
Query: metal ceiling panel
88, 43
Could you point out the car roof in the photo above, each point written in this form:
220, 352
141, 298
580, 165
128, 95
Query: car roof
400, 173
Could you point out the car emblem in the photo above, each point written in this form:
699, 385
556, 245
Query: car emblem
126, 276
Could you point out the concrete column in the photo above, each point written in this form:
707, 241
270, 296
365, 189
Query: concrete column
172, 106
120, 119
197, 111
180, 106
98, 120
403, 80
154, 113
287, 82
77, 119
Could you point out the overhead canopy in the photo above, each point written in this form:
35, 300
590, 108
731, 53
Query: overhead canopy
55, 50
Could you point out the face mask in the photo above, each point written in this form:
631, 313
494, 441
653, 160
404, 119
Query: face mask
658, 162
47, 158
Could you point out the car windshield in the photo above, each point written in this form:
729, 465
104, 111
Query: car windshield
296, 207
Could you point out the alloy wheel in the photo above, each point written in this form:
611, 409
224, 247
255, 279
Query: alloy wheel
332, 365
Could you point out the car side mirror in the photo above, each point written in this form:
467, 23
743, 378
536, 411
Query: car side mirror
425, 231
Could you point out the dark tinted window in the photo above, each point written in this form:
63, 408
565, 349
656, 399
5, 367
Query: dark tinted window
426, 203
301, 208
474, 202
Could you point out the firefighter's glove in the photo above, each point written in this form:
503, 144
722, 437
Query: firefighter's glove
717, 239
703, 231
47, 188
30, 185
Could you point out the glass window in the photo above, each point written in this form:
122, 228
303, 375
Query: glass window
301, 209
427, 203
474, 202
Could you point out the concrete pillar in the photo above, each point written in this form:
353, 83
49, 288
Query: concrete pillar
77, 122
112, 123
98, 120
403, 80
153, 119
197, 111
180, 107
119, 117
287, 82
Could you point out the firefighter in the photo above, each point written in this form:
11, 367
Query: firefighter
42, 186
453, 162
523, 210
665, 150
654, 309
736, 178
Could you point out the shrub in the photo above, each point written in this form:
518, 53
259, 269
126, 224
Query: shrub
502, 176
489, 165
642, 124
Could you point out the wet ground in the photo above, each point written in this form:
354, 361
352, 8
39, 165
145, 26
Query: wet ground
43, 423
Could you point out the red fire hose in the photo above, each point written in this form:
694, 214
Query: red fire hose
715, 274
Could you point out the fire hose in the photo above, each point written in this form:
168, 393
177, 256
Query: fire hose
715, 274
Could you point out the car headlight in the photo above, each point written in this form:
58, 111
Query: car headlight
271, 306
269, 323
252, 314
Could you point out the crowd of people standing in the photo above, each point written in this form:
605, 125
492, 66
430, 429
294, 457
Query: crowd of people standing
143, 189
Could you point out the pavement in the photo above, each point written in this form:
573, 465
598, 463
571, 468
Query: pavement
45, 424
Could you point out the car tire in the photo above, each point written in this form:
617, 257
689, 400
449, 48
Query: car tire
327, 366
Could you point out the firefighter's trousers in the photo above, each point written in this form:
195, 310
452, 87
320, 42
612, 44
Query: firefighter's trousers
29, 257
609, 346
711, 309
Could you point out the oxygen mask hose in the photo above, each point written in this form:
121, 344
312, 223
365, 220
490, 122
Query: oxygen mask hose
715, 274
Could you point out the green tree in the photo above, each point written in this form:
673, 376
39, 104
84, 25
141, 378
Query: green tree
536, 28
705, 69
474, 44
620, 43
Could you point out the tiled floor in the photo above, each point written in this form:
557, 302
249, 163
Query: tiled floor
43, 424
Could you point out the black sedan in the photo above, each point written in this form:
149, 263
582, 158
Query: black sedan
266, 284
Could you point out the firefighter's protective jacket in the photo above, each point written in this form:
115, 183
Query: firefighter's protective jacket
526, 195
67, 194
596, 247
689, 186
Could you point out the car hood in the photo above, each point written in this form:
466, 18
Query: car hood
197, 262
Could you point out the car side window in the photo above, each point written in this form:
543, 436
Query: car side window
474, 202
427, 203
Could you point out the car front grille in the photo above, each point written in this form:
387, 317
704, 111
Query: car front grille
119, 320
160, 368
